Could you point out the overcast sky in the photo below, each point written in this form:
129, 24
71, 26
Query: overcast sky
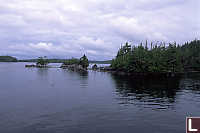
70, 28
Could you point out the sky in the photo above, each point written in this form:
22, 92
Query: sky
97, 28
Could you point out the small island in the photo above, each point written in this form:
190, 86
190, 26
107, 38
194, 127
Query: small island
8, 59
76, 64
42, 62
72, 64
160, 59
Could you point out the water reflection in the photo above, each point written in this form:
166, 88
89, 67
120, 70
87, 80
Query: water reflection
148, 92
42, 71
81, 76
55, 101
191, 82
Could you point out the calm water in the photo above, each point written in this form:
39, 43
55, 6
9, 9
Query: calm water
59, 101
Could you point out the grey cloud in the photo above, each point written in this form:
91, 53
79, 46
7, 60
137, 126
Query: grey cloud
68, 28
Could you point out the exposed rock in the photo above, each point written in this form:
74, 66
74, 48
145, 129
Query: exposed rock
73, 67
41, 66
32, 65
106, 68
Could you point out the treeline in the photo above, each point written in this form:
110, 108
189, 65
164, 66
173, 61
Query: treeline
8, 59
49, 60
101, 62
83, 61
160, 57
65, 60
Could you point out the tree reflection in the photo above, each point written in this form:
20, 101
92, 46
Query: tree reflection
158, 91
83, 77
191, 82
42, 71
80, 76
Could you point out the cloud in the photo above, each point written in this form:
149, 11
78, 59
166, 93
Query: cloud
68, 28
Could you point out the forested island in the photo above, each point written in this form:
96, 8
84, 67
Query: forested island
64, 60
143, 58
72, 64
158, 58
8, 59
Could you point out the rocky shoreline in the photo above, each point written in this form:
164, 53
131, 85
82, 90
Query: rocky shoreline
108, 69
73, 67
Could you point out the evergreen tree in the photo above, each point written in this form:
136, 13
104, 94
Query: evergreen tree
42, 61
159, 58
84, 61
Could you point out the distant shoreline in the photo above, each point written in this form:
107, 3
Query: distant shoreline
13, 59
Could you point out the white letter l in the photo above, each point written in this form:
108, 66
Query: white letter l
190, 126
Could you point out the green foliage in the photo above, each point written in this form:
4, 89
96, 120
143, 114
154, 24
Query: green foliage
71, 61
94, 67
158, 58
8, 59
64, 60
84, 61
192, 54
42, 61
101, 62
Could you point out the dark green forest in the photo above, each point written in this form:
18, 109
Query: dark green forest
83, 61
65, 60
162, 57
8, 59
145, 57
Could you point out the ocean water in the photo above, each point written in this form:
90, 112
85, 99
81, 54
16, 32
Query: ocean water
54, 100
